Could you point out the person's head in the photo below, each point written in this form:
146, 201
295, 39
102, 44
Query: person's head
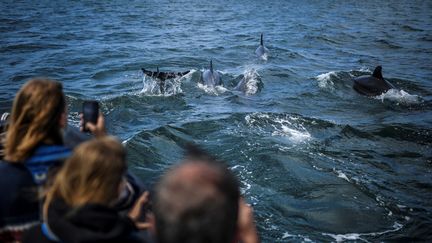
38, 114
93, 174
197, 201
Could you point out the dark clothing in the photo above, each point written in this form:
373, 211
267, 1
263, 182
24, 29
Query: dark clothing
19, 183
73, 137
135, 188
89, 223
19, 206
45, 158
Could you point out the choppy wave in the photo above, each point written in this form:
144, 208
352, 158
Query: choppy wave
325, 80
307, 148
360, 236
387, 44
283, 126
400, 97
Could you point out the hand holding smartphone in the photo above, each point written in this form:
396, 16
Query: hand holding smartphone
90, 111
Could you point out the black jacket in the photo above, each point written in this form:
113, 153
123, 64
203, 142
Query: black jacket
90, 223
19, 204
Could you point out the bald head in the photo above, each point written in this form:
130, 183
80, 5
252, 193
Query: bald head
197, 201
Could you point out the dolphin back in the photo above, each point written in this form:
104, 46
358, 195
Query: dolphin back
371, 86
210, 78
261, 51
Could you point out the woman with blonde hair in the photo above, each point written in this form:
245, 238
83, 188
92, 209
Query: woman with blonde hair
33, 149
79, 204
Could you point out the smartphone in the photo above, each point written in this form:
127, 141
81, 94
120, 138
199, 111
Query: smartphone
90, 112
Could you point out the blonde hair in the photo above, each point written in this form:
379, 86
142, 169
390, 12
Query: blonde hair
92, 174
35, 118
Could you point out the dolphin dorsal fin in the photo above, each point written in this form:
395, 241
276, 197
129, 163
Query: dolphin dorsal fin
262, 41
377, 73
211, 66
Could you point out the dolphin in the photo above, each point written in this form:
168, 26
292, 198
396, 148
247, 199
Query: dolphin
250, 83
262, 51
162, 76
210, 77
372, 85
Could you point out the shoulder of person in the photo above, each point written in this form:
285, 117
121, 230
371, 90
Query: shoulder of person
35, 235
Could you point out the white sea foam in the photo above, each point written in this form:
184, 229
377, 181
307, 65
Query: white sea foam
214, 90
365, 69
265, 56
127, 140
188, 75
246, 187
399, 96
401, 206
324, 80
340, 238
172, 86
357, 236
289, 127
237, 166
250, 83
256, 116
288, 235
295, 136
295, 132
151, 87
342, 175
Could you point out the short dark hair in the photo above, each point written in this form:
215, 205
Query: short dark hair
197, 201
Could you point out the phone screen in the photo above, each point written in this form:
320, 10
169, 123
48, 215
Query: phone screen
90, 112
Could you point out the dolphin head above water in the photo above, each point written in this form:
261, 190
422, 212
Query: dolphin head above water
211, 77
372, 85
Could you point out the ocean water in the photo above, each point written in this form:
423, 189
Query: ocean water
318, 161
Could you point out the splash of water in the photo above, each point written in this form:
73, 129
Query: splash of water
213, 90
325, 80
399, 96
251, 82
357, 236
151, 86
288, 127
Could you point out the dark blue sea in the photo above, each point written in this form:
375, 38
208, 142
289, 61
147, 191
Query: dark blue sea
318, 161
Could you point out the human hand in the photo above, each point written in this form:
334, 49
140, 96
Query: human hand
98, 129
135, 213
247, 232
